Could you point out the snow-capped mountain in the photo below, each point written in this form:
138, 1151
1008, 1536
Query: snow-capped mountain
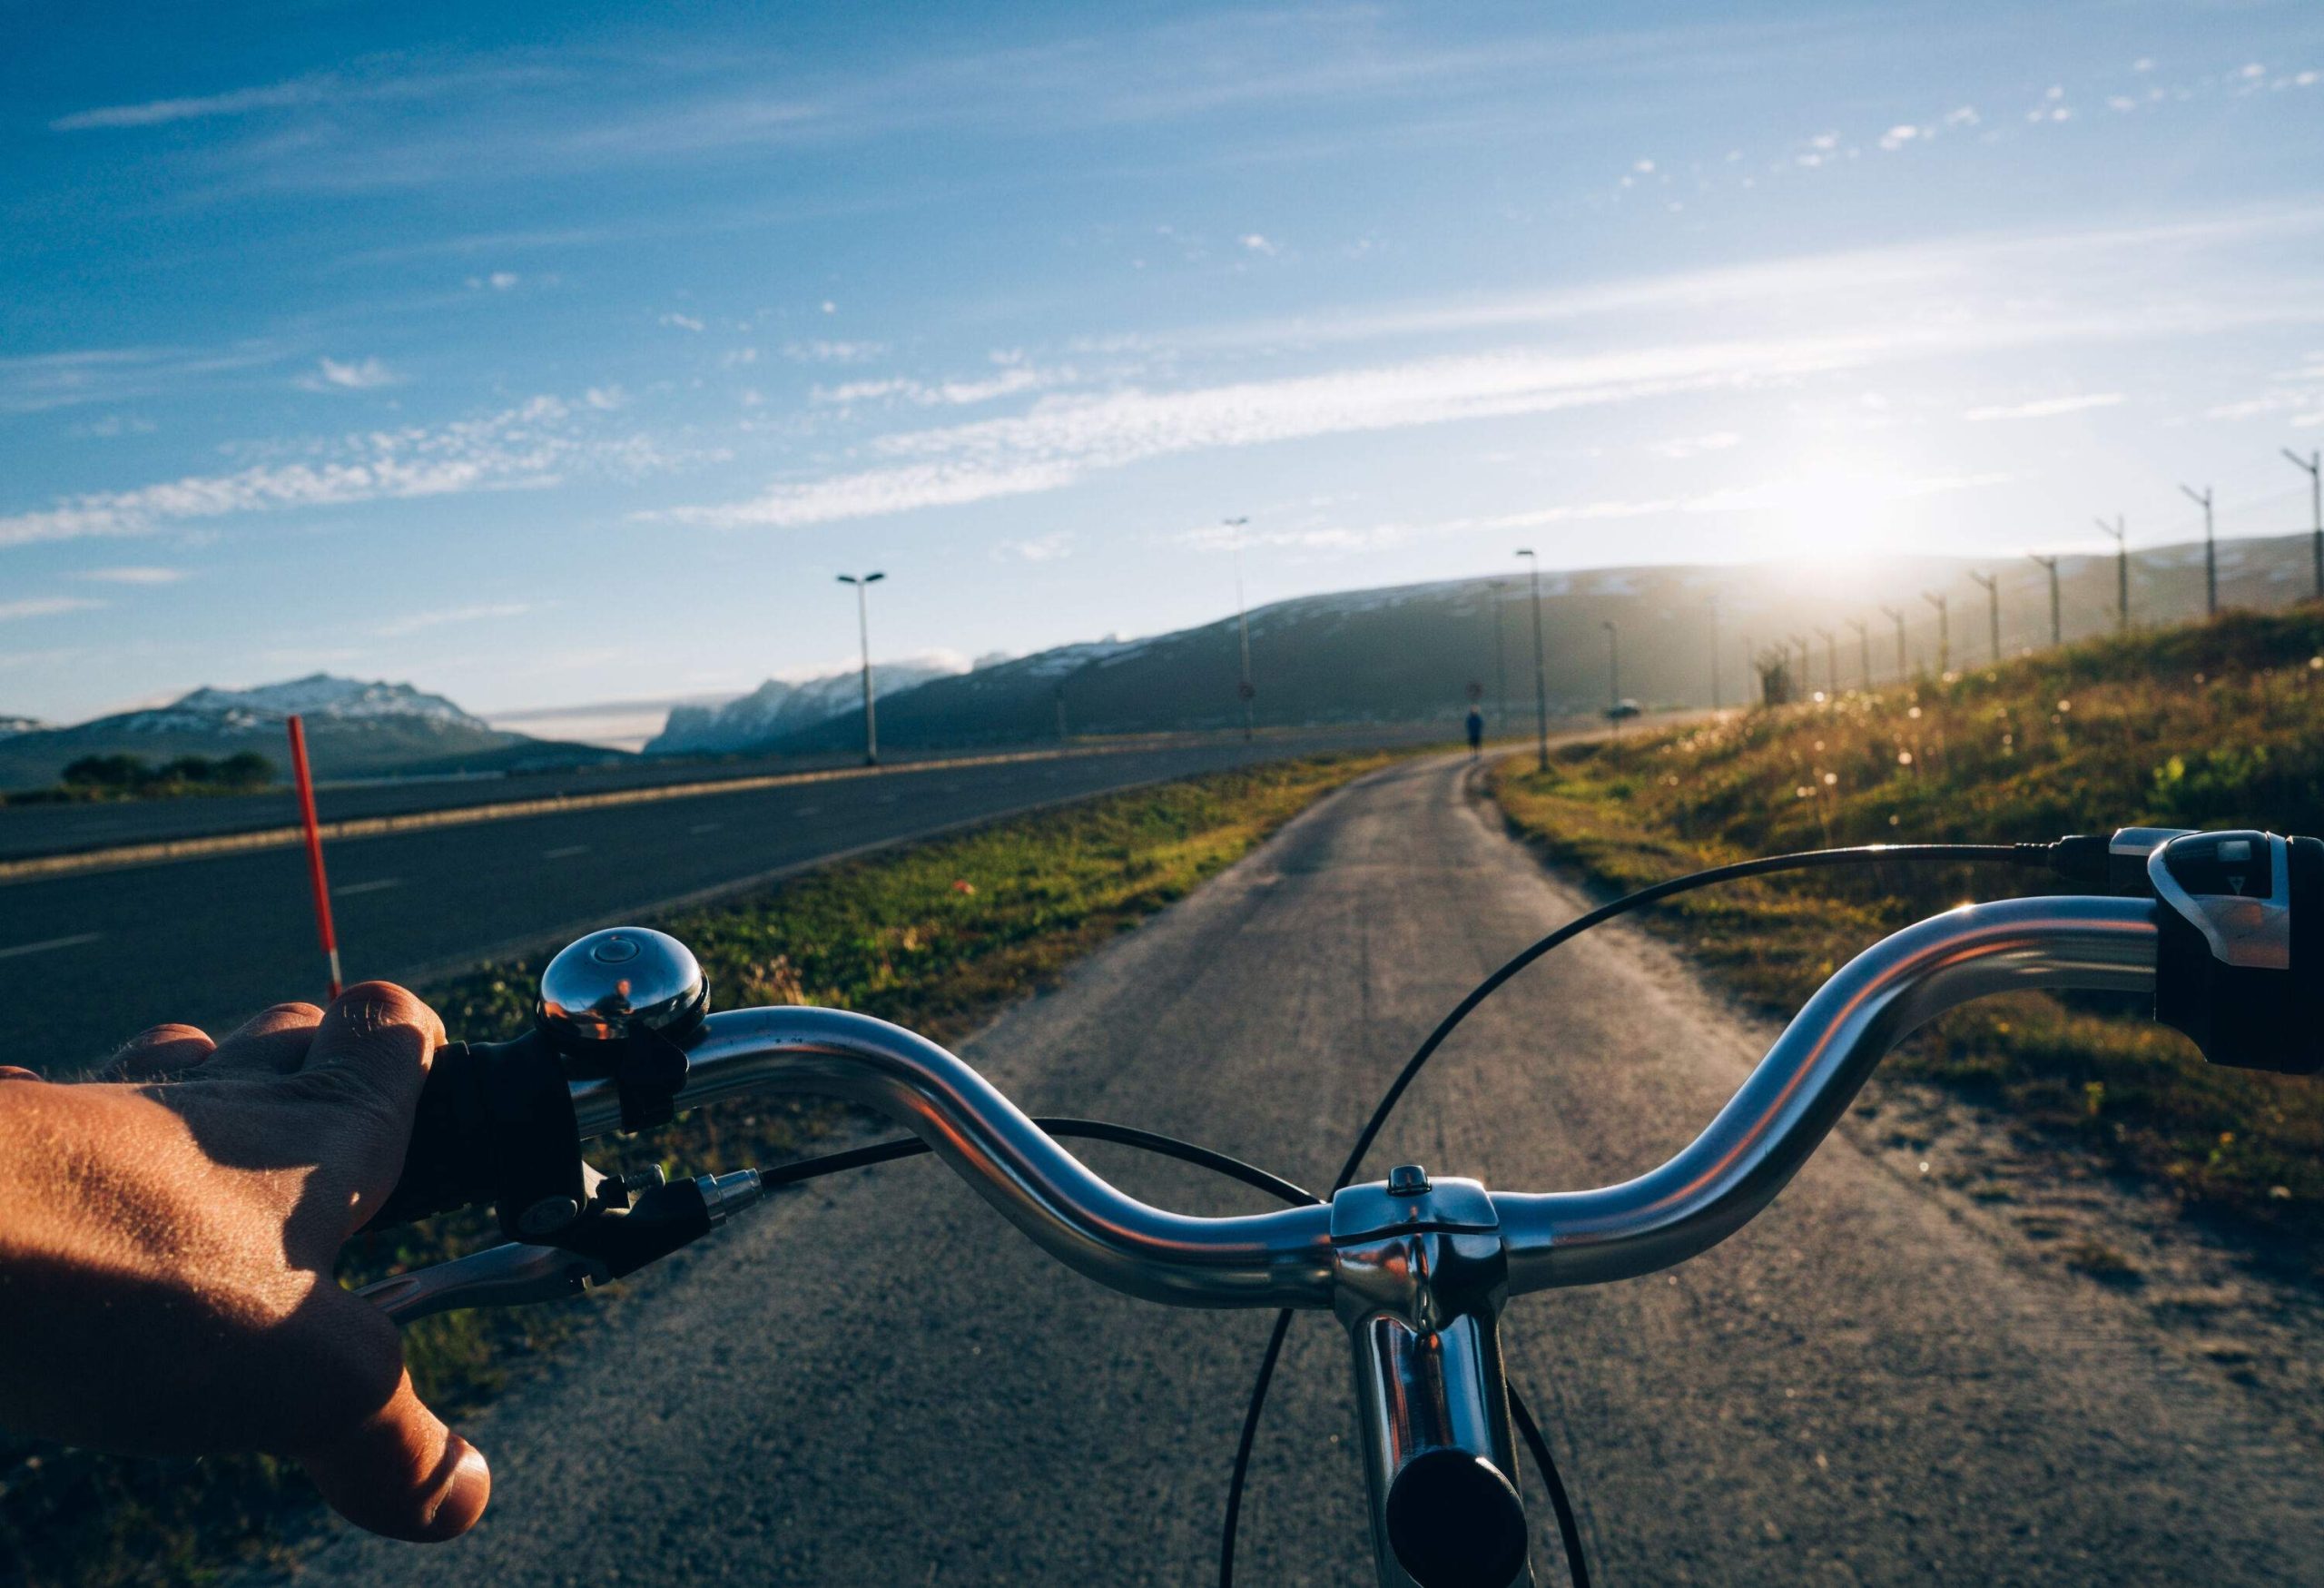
318, 695
355, 728
777, 708
12, 726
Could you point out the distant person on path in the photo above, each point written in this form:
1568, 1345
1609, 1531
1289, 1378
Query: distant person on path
1476, 731
169, 1233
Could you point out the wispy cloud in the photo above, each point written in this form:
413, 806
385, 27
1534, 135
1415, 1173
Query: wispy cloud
420, 622
45, 607
361, 375
2044, 408
154, 113
1039, 549
529, 445
943, 393
35, 382
678, 322
135, 575
820, 351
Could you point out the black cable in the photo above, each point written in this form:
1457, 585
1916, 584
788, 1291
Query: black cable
1804, 860
1568, 1532
2044, 855
831, 1163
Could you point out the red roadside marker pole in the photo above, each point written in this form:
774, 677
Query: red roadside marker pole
306, 782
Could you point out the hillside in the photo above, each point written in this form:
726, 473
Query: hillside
1410, 653
2200, 726
355, 728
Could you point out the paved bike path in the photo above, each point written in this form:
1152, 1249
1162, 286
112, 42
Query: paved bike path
877, 1381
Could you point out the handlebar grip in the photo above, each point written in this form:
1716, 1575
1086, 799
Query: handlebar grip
2253, 1000
494, 1124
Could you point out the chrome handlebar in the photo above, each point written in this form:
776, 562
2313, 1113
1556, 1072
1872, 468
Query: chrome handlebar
1712, 1189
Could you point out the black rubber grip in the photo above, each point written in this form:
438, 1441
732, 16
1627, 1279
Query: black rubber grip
2246, 1017
495, 1124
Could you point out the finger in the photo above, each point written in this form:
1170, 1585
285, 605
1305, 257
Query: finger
381, 1037
273, 1041
401, 1473
158, 1050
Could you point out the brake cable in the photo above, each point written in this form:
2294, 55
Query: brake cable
2036, 855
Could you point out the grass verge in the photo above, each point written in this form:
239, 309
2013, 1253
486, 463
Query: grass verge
2213, 725
936, 936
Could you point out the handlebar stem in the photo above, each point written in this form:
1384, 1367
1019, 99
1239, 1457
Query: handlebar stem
1811, 1074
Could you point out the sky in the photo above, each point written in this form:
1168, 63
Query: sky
542, 354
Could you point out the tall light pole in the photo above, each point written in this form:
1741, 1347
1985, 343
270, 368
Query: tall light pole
1751, 666
1831, 661
2211, 550
1714, 653
1802, 641
1493, 589
1903, 666
1864, 649
2121, 530
1614, 663
2314, 464
1992, 582
2057, 632
1541, 669
1943, 632
1246, 689
864, 584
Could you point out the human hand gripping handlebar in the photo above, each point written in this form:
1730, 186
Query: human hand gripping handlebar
2226, 928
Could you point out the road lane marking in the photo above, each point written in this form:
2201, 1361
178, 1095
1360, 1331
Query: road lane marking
377, 885
567, 852
174, 849
53, 942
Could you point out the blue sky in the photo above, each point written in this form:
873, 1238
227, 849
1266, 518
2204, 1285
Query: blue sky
552, 353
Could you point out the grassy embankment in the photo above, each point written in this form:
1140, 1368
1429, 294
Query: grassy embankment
936, 936
2210, 725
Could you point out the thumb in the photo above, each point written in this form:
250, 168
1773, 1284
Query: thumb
401, 1473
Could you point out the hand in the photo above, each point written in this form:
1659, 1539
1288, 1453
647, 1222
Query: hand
167, 1238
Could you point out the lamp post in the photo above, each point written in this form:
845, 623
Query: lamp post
2057, 633
1944, 634
1904, 664
1864, 649
1541, 669
1246, 689
1493, 588
2121, 530
864, 584
1831, 661
2314, 464
1992, 582
2202, 498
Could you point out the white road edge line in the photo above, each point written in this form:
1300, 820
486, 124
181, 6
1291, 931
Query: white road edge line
54, 943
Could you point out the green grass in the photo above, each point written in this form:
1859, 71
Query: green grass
936, 936
2207, 726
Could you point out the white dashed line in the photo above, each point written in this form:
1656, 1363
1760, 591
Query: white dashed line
377, 885
53, 942
567, 852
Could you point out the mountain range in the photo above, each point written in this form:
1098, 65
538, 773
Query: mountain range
355, 728
1663, 635
777, 710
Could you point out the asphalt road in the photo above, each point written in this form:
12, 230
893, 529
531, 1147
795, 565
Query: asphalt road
88, 959
876, 1381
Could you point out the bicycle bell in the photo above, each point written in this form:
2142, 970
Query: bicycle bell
622, 982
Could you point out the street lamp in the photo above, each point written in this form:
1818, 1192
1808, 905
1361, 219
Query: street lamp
2202, 498
1943, 632
1493, 588
2050, 565
862, 584
2314, 464
2121, 530
1246, 689
1541, 671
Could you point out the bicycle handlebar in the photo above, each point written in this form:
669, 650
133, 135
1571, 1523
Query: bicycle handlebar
1712, 1189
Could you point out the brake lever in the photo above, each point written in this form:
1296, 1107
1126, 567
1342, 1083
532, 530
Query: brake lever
518, 1274
510, 1275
